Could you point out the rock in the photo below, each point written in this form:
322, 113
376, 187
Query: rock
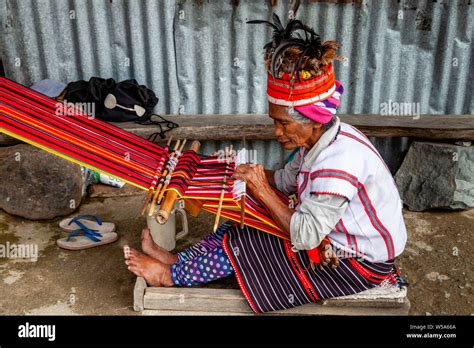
6, 140
436, 175
103, 191
37, 185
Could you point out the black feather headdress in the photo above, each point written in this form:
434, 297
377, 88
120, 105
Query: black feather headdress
296, 50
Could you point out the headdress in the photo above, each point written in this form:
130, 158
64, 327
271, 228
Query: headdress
300, 70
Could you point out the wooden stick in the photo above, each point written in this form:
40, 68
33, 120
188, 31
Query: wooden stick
158, 189
167, 182
219, 208
172, 196
221, 197
169, 169
156, 177
242, 202
242, 211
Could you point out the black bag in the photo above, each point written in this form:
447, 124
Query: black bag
118, 102
129, 101
93, 91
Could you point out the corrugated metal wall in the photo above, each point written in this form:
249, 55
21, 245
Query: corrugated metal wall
201, 57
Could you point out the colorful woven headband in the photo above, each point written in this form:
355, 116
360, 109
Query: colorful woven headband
306, 92
322, 111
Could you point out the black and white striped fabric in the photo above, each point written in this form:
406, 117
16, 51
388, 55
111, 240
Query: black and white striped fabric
273, 277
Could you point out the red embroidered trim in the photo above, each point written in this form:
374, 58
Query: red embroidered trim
328, 193
349, 236
366, 204
352, 136
360, 133
298, 270
391, 248
336, 171
303, 185
367, 274
237, 274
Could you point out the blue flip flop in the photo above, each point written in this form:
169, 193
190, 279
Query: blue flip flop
86, 238
79, 222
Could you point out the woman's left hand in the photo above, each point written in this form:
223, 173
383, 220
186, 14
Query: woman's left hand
254, 176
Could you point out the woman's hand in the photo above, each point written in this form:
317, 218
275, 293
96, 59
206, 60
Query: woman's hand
254, 176
258, 186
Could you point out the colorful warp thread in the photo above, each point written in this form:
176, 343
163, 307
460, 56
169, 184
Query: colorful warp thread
71, 134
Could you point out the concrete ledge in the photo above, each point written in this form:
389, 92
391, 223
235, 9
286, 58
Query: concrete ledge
205, 301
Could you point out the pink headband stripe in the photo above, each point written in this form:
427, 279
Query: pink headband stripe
322, 111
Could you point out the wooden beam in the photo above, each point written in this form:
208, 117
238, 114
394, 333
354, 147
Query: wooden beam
208, 301
139, 294
298, 311
260, 127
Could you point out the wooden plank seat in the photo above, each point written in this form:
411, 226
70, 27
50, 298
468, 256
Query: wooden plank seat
260, 127
390, 300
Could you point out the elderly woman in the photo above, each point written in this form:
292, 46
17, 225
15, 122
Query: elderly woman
347, 200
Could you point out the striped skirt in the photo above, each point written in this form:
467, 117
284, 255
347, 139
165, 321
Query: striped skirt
274, 277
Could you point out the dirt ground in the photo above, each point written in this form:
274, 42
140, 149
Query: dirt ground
436, 263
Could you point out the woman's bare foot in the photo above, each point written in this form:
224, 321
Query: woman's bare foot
154, 272
150, 248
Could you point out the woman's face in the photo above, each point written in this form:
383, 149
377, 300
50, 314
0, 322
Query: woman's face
292, 134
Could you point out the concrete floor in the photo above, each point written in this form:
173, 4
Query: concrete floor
95, 281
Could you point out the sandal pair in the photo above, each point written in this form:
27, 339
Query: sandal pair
85, 234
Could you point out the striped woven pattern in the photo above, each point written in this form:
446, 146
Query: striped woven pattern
281, 92
273, 277
75, 136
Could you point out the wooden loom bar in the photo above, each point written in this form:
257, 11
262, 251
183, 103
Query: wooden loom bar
156, 178
260, 127
172, 196
160, 185
167, 181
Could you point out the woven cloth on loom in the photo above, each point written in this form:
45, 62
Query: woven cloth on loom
72, 134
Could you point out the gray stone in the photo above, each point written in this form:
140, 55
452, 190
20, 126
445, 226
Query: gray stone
6, 140
437, 175
37, 185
